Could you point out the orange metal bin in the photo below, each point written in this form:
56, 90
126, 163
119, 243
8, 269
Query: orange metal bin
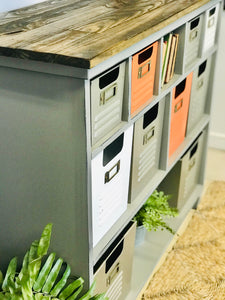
143, 74
179, 113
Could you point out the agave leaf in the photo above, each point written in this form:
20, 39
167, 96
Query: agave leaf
60, 285
26, 288
76, 294
89, 293
43, 274
24, 269
11, 271
38, 296
33, 251
34, 263
1, 278
5, 296
52, 276
12, 285
44, 240
99, 297
71, 288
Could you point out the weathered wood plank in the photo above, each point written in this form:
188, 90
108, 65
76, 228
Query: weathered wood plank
84, 33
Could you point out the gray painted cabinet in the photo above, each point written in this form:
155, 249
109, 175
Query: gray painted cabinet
47, 148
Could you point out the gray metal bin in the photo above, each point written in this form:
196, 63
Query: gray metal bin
110, 173
113, 271
211, 27
107, 101
146, 148
198, 93
194, 30
182, 179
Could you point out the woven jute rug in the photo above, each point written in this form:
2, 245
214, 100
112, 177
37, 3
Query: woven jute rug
194, 268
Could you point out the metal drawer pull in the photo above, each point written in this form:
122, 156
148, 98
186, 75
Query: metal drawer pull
178, 106
114, 272
193, 35
147, 137
108, 93
211, 22
112, 172
191, 165
140, 70
200, 83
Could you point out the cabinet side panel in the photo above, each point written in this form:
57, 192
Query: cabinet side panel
43, 165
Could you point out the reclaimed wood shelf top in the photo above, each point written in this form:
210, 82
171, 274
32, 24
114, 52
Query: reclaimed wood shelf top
83, 33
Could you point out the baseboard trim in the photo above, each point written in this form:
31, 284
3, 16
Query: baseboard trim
217, 140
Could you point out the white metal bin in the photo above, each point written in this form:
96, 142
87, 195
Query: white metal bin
146, 148
198, 93
107, 101
194, 30
182, 179
110, 183
210, 27
113, 271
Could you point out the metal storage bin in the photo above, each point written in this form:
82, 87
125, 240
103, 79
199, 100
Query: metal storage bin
113, 271
107, 101
146, 148
183, 178
211, 27
110, 183
143, 76
179, 112
194, 31
198, 94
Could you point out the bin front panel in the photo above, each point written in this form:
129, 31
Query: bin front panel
179, 113
194, 30
190, 167
143, 75
211, 26
107, 101
198, 93
114, 274
146, 148
110, 181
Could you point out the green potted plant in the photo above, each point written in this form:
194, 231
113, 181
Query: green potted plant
42, 281
151, 215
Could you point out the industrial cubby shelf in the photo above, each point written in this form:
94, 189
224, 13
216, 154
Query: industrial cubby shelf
71, 115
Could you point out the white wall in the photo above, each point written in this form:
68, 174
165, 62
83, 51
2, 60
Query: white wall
217, 129
7, 5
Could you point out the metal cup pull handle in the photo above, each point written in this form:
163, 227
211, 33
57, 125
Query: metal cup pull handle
211, 22
114, 272
178, 106
147, 137
142, 70
200, 83
193, 35
112, 172
191, 164
108, 94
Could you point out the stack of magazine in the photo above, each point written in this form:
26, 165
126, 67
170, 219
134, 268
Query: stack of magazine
169, 57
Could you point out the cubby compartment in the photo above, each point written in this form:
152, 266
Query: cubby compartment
107, 94
113, 270
211, 20
143, 76
146, 148
193, 39
179, 113
198, 94
172, 65
184, 176
110, 181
